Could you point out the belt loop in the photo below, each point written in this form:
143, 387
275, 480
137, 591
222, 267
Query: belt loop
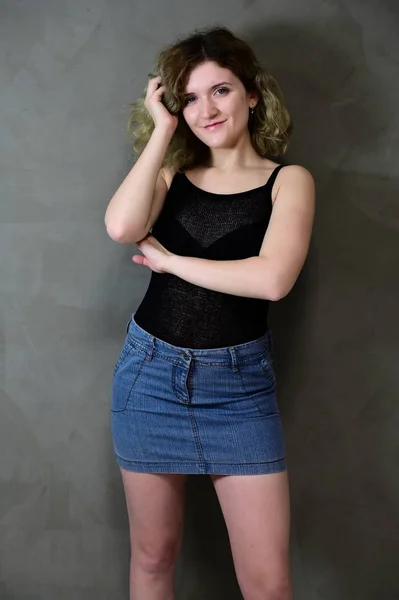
150, 349
234, 362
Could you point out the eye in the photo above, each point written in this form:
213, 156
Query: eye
223, 91
188, 100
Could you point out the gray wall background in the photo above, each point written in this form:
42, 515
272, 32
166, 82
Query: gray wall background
68, 72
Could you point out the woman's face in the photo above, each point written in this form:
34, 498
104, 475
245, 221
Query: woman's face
216, 106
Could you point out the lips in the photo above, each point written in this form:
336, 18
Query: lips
213, 125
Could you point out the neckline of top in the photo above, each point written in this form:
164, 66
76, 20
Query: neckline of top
260, 187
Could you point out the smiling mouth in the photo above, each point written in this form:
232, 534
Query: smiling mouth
211, 125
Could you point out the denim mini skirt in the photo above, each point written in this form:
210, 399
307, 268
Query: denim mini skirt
195, 411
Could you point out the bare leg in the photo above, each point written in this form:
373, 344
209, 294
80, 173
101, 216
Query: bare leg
257, 514
155, 505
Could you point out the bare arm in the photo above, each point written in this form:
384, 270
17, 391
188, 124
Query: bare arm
136, 204
273, 273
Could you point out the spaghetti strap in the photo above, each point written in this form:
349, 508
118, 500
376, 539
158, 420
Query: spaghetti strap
273, 176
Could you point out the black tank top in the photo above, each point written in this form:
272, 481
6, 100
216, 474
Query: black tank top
202, 224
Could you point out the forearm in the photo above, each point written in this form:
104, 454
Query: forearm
130, 206
251, 277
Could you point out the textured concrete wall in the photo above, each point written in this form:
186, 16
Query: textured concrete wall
68, 71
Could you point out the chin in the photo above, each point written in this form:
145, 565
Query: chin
217, 143
220, 146
222, 142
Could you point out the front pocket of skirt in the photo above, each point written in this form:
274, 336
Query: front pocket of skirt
122, 356
266, 366
259, 383
127, 371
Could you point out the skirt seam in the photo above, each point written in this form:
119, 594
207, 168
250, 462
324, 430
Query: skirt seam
213, 462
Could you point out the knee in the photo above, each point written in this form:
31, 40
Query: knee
155, 558
272, 588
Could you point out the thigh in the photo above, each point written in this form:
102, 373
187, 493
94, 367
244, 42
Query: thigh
155, 504
257, 515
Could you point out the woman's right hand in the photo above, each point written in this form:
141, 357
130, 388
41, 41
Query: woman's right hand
163, 119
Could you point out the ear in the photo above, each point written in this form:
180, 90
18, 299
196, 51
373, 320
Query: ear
253, 99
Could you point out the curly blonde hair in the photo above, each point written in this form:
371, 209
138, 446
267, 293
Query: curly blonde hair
270, 126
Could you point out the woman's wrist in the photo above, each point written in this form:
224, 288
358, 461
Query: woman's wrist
164, 133
170, 263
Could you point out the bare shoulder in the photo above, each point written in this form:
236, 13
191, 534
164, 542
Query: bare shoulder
297, 174
295, 179
168, 174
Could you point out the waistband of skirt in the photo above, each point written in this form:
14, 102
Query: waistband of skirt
240, 352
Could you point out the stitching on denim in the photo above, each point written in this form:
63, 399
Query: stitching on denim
125, 352
121, 410
262, 413
192, 463
197, 440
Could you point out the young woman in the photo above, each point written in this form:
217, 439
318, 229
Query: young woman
225, 230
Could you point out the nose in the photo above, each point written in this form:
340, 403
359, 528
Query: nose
208, 108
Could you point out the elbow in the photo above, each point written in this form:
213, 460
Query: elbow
115, 232
119, 233
274, 294
277, 294
276, 290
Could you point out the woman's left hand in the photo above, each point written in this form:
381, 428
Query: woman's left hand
155, 256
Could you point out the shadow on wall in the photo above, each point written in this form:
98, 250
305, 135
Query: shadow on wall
335, 334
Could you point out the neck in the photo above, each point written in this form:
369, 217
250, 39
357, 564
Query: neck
235, 157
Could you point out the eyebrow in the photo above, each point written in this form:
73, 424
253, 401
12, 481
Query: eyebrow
212, 88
